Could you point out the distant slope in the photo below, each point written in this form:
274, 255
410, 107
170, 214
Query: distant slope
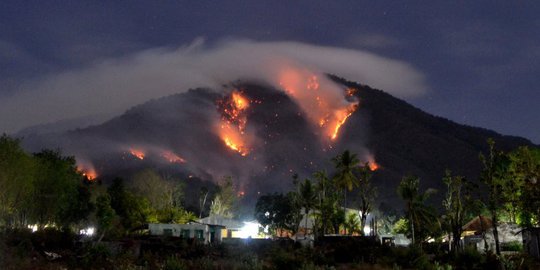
402, 138
407, 140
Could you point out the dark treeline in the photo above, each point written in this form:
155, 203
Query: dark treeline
46, 191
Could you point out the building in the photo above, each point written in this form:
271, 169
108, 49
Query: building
193, 230
230, 228
481, 227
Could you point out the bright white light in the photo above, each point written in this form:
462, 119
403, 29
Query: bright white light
367, 230
88, 231
33, 227
250, 229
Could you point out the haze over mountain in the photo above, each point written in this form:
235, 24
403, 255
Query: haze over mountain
182, 135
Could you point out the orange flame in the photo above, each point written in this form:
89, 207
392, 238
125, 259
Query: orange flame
329, 109
172, 157
340, 119
87, 170
233, 139
240, 103
373, 166
137, 153
90, 174
233, 122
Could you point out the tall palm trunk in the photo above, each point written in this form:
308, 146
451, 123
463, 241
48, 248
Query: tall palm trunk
412, 227
496, 233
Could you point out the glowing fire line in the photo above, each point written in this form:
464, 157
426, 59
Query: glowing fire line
137, 153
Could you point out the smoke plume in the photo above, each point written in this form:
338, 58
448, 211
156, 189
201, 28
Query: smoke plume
111, 86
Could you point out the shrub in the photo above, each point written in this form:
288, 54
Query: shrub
469, 258
174, 263
512, 246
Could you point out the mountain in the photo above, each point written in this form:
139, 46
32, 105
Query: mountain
179, 135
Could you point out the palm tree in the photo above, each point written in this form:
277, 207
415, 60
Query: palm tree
345, 178
329, 213
367, 193
418, 213
308, 198
352, 224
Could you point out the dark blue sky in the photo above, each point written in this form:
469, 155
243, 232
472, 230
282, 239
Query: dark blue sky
481, 58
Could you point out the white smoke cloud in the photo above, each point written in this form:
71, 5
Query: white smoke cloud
113, 85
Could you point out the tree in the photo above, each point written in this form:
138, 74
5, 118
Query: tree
158, 191
345, 179
457, 203
494, 174
419, 215
104, 214
329, 213
17, 170
203, 195
352, 224
307, 198
225, 199
54, 188
525, 170
275, 211
367, 193
134, 211
78, 208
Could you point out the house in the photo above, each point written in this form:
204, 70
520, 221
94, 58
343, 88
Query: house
193, 230
481, 227
230, 228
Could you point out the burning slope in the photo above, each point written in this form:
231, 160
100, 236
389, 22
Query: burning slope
90, 174
325, 103
137, 153
233, 122
172, 157
86, 169
187, 125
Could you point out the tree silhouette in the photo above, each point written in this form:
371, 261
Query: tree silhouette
419, 214
344, 178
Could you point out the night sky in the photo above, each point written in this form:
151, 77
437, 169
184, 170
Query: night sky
480, 58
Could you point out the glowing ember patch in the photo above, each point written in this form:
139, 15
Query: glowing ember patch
234, 139
313, 83
88, 171
373, 166
90, 175
172, 157
351, 92
233, 122
137, 153
325, 103
241, 103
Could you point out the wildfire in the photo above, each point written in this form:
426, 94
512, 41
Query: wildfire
87, 170
373, 166
172, 157
90, 174
233, 122
137, 153
325, 104
313, 83
340, 119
